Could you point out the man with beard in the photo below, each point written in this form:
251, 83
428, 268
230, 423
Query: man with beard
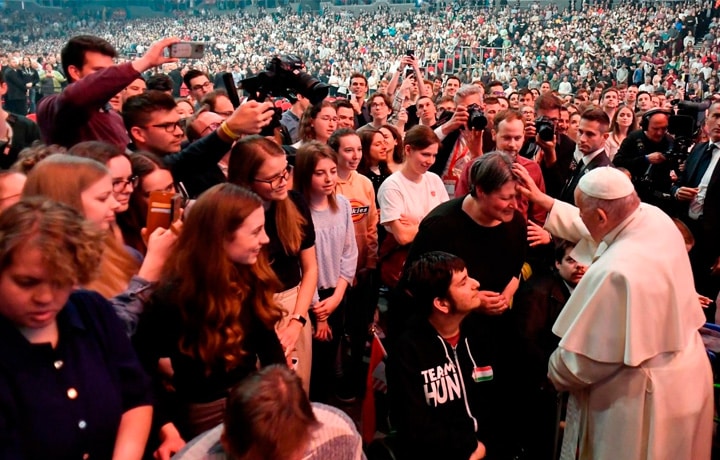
538, 304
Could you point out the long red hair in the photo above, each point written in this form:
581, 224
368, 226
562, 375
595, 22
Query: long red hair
216, 297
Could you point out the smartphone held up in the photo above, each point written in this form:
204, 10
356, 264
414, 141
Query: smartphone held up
186, 50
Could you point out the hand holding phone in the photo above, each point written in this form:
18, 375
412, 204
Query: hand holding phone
164, 208
186, 50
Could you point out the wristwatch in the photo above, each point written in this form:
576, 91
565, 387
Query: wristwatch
299, 318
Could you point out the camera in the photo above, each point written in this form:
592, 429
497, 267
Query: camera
283, 77
476, 118
545, 129
684, 125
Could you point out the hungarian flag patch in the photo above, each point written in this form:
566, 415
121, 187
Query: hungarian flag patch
482, 374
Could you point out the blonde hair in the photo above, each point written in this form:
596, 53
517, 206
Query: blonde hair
63, 178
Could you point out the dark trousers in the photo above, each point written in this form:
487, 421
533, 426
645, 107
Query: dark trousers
702, 257
324, 354
362, 301
16, 106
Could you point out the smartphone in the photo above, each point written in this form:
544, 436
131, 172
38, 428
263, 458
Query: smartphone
187, 50
410, 53
409, 72
164, 208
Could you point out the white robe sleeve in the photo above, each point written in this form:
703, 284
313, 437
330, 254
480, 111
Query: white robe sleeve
570, 371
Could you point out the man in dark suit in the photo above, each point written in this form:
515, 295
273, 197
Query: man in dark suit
592, 134
537, 304
17, 89
16, 132
698, 194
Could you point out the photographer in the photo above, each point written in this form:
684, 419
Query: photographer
697, 192
81, 112
643, 154
459, 144
154, 126
552, 150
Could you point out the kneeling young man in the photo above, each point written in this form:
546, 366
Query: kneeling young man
443, 382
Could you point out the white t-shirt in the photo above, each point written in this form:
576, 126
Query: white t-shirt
398, 196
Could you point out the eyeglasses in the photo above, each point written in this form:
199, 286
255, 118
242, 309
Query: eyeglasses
207, 84
170, 126
119, 185
209, 128
276, 181
169, 188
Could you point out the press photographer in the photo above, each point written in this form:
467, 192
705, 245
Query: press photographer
643, 154
543, 144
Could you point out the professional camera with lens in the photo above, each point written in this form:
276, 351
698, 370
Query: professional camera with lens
476, 118
684, 125
283, 77
545, 129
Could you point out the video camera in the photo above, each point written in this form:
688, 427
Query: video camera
284, 77
684, 125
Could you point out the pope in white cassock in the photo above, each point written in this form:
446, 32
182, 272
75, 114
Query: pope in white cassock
630, 352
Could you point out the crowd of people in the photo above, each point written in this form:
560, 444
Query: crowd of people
519, 185
594, 44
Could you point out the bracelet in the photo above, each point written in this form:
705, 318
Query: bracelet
228, 132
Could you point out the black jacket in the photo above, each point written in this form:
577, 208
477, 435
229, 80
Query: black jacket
650, 181
439, 409
25, 132
568, 192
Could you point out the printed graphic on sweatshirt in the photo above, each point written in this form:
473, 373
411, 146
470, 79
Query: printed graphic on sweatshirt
441, 385
359, 210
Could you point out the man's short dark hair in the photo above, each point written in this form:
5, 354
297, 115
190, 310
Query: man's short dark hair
523, 92
339, 102
73, 53
494, 83
561, 248
548, 101
138, 110
598, 115
386, 99
191, 75
160, 82
612, 89
429, 278
453, 77
358, 75
424, 97
491, 100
